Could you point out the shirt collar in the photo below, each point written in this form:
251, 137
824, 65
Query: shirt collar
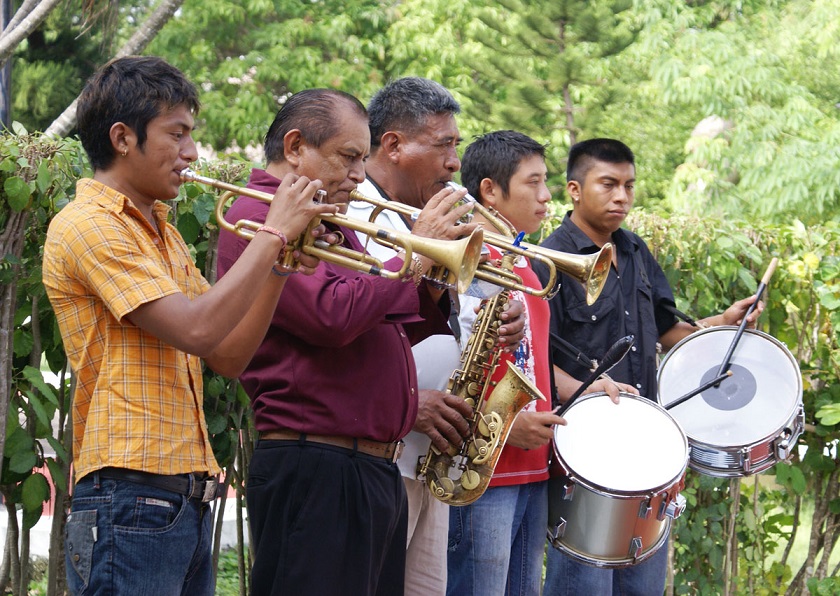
112, 199
623, 240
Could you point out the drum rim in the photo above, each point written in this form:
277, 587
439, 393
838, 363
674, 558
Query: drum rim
614, 492
792, 415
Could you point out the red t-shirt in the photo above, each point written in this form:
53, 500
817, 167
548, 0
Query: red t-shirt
518, 466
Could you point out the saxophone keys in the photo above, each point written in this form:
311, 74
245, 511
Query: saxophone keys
442, 488
470, 479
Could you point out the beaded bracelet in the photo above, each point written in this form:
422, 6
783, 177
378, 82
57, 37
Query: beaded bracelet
279, 234
414, 272
279, 273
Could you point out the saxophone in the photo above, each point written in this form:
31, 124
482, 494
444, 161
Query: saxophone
495, 406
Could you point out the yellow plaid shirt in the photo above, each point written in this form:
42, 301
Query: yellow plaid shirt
138, 401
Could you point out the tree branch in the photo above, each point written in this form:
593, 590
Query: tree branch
62, 125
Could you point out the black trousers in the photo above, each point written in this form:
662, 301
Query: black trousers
325, 521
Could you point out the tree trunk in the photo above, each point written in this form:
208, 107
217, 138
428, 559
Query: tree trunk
138, 42
11, 243
19, 29
56, 579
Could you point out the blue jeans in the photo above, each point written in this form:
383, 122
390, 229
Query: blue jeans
564, 576
127, 538
496, 544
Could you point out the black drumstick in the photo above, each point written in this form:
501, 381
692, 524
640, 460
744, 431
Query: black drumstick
571, 350
700, 389
613, 356
680, 314
764, 281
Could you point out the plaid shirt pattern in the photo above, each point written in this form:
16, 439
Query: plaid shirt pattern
138, 401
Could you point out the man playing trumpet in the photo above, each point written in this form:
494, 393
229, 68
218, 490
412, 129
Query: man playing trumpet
136, 318
414, 155
333, 384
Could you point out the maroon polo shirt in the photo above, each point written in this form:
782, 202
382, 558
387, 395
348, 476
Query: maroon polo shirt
336, 359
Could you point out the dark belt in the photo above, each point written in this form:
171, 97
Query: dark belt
202, 488
388, 451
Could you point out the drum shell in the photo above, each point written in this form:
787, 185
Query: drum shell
719, 447
608, 526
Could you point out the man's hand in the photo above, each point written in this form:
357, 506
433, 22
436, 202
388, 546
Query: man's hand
513, 326
736, 312
611, 388
440, 218
532, 430
443, 417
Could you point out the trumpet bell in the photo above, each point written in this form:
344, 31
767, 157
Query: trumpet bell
590, 270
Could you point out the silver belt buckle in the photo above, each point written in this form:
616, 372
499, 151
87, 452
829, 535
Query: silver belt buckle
211, 485
398, 449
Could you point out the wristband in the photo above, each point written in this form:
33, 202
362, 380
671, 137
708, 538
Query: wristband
279, 273
275, 232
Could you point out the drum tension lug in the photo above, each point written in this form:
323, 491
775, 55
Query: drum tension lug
636, 547
557, 533
567, 492
645, 510
746, 458
674, 508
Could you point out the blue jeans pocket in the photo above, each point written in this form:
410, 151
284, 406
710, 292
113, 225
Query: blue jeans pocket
78, 543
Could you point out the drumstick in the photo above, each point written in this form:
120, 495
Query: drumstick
613, 356
764, 281
700, 389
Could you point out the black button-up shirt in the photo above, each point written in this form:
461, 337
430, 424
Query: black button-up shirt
630, 304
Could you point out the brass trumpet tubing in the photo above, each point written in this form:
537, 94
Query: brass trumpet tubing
590, 270
459, 256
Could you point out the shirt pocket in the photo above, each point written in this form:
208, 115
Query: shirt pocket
591, 327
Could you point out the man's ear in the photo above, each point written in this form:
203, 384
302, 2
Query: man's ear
491, 193
293, 142
573, 189
123, 138
391, 144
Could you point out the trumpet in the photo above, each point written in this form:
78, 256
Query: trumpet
459, 256
590, 270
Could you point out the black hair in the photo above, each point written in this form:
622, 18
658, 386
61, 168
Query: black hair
406, 104
496, 156
582, 154
314, 113
133, 90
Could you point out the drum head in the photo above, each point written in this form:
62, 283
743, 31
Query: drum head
627, 447
757, 401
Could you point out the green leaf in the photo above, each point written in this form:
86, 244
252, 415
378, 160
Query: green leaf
57, 475
36, 491
30, 518
44, 179
18, 193
216, 386
23, 462
189, 227
58, 448
216, 423
40, 411
798, 481
36, 378
829, 415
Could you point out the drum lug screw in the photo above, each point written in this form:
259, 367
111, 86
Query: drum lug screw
568, 491
555, 535
676, 507
636, 547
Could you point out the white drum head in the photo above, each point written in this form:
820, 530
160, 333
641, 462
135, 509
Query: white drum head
757, 401
629, 447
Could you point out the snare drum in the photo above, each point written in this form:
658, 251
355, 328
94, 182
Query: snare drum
750, 421
622, 466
